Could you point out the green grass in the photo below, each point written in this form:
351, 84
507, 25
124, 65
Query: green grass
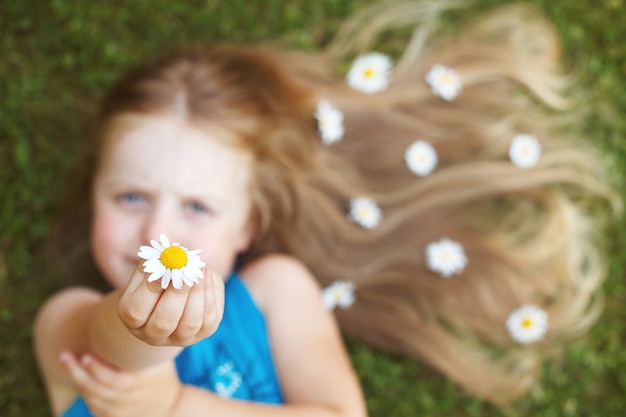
57, 57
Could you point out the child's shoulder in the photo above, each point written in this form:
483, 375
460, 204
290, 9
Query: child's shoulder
277, 277
59, 326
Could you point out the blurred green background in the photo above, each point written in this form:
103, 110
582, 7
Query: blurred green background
58, 56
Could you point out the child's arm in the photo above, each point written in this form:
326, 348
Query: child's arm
315, 373
80, 321
145, 325
111, 392
313, 366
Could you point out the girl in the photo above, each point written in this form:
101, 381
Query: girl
433, 197
174, 159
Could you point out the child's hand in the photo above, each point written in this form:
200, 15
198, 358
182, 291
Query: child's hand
172, 317
111, 392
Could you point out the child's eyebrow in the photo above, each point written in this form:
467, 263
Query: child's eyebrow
205, 197
117, 180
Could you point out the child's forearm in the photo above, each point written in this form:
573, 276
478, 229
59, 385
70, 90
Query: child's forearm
112, 341
198, 402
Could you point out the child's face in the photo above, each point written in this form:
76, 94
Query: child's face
165, 176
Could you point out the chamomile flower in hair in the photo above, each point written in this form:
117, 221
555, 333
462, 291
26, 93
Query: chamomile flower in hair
329, 122
339, 293
527, 324
421, 158
524, 150
446, 257
171, 263
365, 212
370, 73
444, 82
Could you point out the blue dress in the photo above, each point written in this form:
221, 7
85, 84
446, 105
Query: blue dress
235, 362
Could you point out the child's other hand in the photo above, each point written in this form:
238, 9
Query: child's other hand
111, 392
172, 317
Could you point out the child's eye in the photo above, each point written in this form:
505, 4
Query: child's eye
198, 208
131, 198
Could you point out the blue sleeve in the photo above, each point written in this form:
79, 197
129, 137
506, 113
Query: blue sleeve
77, 409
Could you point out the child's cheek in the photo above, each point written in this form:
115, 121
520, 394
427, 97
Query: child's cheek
114, 245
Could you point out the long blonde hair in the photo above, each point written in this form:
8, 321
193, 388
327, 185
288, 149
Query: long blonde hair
528, 234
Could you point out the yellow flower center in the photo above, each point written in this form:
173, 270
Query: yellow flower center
368, 73
527, 322
173, 257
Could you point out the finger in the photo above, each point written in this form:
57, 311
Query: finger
79, 375
136, 278
95, 394
166, 316
192, 318
139, 299
106, 374
213, 301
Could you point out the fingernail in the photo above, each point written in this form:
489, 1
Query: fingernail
86, 360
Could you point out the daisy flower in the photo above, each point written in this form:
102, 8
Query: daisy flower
445, 257
370, 73
421, 158
340, 293
171, 262
524, 151
365, 212
527, 324
329, 122
444, 82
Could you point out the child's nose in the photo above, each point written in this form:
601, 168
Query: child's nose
160, 221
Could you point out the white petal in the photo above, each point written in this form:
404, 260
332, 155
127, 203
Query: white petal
346, 294
155, 276
195, 262
346, 300
193, 271
186, 279
157, 245
328, 299
153, 265
148, 252
177, 280
165, 242
175, 273
331, 134
186, 271
165, 281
